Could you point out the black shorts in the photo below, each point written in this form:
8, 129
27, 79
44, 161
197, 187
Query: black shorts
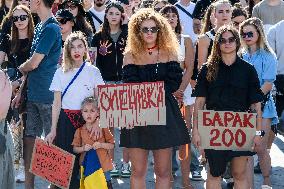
218, 159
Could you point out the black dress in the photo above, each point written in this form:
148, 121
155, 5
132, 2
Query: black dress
153, 137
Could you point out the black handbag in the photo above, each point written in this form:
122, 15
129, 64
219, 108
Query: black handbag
279, 83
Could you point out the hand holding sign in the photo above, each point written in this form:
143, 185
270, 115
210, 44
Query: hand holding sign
226, 130
52, 164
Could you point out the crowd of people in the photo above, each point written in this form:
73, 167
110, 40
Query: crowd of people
216, 55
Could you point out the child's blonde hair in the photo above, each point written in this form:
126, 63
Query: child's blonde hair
68, 63
90, 100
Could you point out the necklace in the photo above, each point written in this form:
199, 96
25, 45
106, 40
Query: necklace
150, 49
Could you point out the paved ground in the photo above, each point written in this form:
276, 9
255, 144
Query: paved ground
277, 153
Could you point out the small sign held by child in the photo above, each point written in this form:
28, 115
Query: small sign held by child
52, 164
132, 104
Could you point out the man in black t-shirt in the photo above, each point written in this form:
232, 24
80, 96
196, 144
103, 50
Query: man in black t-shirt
227, 83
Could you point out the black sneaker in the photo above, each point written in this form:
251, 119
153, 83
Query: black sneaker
196, 176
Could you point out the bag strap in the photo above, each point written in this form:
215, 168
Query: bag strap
185, 11
95, 16
73, 79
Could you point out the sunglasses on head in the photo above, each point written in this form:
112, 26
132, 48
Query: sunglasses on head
152, 30
247, 34
21, 17
229, 40
71, 6
63, 20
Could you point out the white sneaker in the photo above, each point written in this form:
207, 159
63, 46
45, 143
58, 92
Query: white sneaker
196, 176
266, 187
114, 172
125, 170
20, 177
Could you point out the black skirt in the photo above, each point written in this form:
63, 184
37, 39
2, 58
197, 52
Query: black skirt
68, 122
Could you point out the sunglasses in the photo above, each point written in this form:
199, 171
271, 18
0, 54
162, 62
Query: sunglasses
152, 30
72, 6
21, 17
225, 41
247, 35
63, 20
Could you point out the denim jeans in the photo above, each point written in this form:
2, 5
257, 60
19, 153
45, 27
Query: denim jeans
194, 163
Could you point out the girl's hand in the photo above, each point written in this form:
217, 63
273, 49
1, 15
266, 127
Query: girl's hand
50, 137
179, 95
97, 145
96, 131
87, 147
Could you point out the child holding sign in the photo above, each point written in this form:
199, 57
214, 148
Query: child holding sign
94, 153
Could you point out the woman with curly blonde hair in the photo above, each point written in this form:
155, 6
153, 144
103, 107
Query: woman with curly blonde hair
152, 55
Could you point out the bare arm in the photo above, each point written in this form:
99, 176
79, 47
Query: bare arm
199, 105
266, 87
31, 63
203, 45
56, 107
103, 145
188, 63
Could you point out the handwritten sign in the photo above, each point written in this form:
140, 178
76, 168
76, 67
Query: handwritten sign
222, 130
134, 104
52, 164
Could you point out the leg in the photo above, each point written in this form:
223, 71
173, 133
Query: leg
184, 154
263, 155
239, 168
139, 159
33, 125
250, 173
162, 168
112, 150
213, 182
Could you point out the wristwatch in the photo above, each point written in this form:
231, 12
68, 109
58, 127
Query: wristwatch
260, 133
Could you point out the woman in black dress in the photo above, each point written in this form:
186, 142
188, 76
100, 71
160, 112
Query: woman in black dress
152, 55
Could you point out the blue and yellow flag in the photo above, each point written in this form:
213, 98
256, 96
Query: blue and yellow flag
92, 175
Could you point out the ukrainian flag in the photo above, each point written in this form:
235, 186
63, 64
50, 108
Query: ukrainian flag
92, 175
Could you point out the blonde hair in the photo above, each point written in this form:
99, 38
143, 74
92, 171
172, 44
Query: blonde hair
89, 100
216, 4
68, 62
166, 38
261, 41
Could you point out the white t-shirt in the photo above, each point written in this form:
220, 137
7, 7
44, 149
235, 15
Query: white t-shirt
186, 21
83, 86
100, 15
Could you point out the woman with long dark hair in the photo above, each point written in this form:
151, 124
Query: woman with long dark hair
82, 21
186, 58
4, 8
110, 42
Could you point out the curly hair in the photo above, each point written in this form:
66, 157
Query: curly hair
215, 57
258, 25
166, 38
68, 62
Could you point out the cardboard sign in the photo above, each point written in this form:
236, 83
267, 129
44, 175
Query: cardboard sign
132, 104
222, 130
52, 164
